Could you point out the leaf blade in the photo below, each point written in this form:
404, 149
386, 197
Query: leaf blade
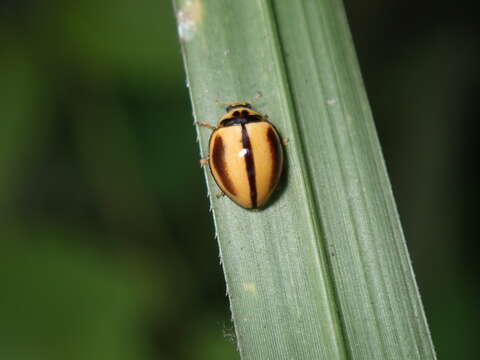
287, 267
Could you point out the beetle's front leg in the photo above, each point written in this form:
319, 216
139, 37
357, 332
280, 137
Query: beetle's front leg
207, 125
205, 161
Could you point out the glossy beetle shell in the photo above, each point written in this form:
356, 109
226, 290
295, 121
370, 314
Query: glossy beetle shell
246, 156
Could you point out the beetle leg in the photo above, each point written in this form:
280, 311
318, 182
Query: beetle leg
204, 162
285, 141
220, 194
207, 125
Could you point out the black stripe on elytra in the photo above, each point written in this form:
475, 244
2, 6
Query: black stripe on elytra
250, 166
276, 153
220, 165
241, 120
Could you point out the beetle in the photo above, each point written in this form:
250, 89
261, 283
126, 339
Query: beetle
245, 155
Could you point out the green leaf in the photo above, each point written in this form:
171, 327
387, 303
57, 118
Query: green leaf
323, 271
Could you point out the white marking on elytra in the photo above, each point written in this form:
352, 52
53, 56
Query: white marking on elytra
242, 152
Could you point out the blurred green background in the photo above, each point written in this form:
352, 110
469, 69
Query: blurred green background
107, 248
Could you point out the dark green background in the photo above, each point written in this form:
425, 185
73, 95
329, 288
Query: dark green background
107, 248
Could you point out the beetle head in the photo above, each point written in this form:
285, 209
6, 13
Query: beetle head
238, 105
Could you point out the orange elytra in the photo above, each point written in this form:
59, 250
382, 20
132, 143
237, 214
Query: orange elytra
245, 155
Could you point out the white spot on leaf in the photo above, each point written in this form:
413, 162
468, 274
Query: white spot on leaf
331, 101
189, 16
250, 287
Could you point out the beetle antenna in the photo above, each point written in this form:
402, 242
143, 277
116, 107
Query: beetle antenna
258, 96
221, 102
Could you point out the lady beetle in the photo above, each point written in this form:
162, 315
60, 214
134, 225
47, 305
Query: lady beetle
245, 155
